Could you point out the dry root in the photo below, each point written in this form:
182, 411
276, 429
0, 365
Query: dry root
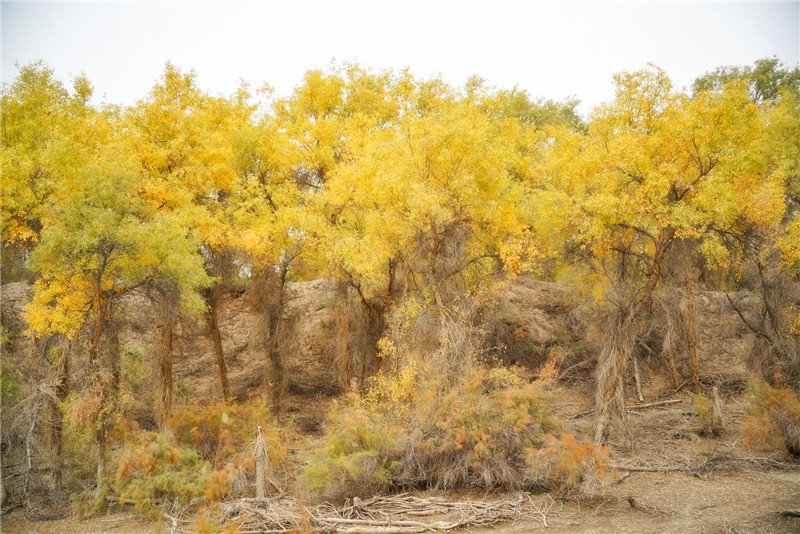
401, 514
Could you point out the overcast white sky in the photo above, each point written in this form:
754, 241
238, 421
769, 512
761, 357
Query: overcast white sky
551, 49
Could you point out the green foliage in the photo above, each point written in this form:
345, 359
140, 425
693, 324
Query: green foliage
766, 79
773, 418
359, 454
9, 382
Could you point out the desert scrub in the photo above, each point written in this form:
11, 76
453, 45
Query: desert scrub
570, 467
477, 433
151, 469
359, 453
708, 414
206, 454
223, 433
773, 418
492, 429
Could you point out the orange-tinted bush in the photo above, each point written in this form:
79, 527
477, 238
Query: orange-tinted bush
223, 433
569, 466
773, 418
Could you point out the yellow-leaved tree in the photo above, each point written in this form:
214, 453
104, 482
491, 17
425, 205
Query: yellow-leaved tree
99, 241
658, 167
419, 209
40, 119
185, 143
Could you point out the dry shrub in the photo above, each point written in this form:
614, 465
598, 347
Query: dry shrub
223, 433
568, 466
358, 325
492, 429
773, 418
477, 433
207, 454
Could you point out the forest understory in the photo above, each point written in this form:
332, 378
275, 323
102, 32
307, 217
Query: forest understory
386, 304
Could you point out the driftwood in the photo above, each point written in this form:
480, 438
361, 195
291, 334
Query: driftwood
397, 514
629, 408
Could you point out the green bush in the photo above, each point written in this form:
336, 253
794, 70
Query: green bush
707, 416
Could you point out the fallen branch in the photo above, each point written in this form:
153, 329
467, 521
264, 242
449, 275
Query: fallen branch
397, 514
653, 404
640, 469
629, 408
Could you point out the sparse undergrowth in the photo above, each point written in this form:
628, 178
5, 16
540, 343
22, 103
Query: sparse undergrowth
205, 454
773, 419
492, 429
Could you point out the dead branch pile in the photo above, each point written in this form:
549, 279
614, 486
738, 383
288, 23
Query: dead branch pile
400, 514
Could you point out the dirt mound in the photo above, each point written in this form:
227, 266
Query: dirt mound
530, 316
537, 307
309, 368
725, 345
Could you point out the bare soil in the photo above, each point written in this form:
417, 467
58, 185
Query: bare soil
672, 502
668, 478
671, 481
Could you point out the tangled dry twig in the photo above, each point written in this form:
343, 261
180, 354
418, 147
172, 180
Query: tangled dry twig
396, 514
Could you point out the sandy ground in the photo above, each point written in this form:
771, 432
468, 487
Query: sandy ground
671, 481
673, 502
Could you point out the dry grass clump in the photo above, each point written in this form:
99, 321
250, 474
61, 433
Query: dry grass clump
773, 418
491, 429
206, 455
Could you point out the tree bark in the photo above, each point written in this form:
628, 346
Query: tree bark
262, 462
99, 386
276, 379
691, 337
673, 372
61, 391
100, 444
216, 338
165, 333
637, 378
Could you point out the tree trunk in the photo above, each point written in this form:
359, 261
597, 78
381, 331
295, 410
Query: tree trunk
216, 338
262, 464
637, 378
114, 358
100, 444
276, 379
441, 310
98, 385
94, 345
61, 391
673, 371
165, 333
611, 370
691, 337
